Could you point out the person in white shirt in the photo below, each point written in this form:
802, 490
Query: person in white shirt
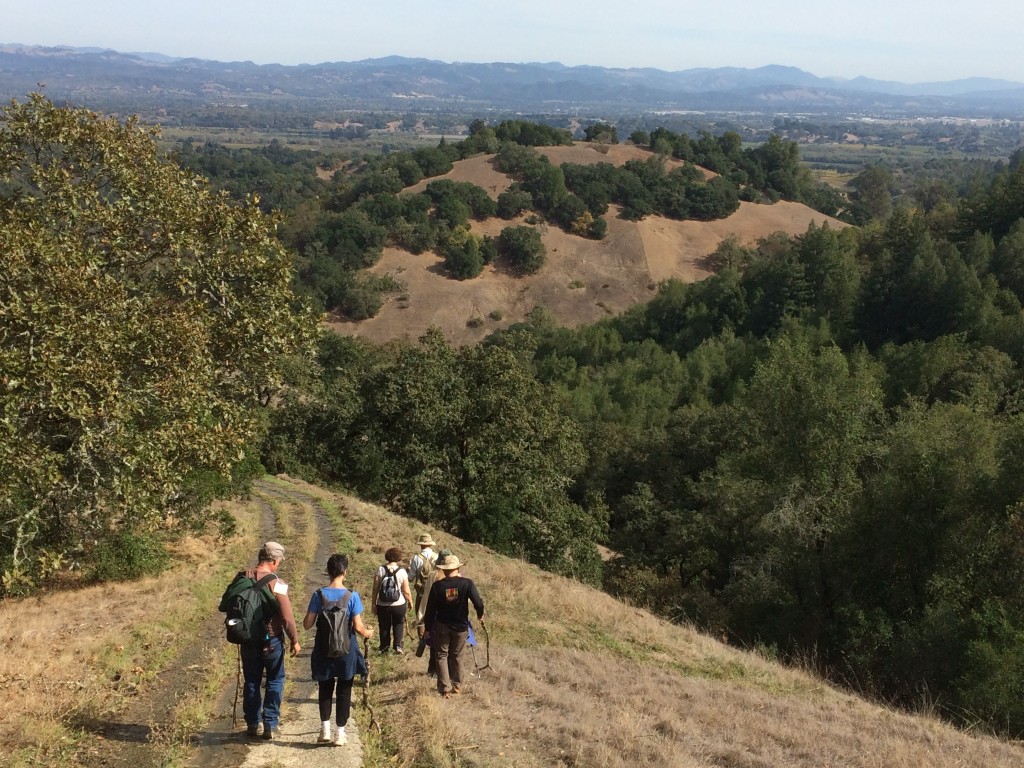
416, 570
391, 600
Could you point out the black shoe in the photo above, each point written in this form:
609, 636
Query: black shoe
269, 734
252, 731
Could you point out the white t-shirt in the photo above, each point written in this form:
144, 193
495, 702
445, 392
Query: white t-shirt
402, 577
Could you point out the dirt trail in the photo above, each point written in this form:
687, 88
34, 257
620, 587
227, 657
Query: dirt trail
223, 745
135, 736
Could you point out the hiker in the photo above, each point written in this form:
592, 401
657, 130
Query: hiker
447, 622
433, 573
391, 600
265, 655
335, 664
421, 566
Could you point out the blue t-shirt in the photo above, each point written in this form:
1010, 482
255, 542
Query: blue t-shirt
343, 667
355, 603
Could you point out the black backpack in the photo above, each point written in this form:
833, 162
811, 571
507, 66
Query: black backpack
243, 602
333, 620
389, 591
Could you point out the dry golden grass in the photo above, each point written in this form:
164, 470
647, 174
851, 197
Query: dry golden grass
577, 678
81, 655
580, 679
583, 280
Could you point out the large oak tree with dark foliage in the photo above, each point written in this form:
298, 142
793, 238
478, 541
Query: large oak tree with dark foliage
143, 320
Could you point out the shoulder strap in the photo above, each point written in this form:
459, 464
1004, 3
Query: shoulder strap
266, 596
346, 597
265, 580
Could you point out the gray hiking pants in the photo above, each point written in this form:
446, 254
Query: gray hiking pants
449, 644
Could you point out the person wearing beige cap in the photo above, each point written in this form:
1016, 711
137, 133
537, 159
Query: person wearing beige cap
420, 568
447, 622
266, 657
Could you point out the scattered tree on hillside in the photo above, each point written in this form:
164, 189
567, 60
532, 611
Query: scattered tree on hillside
603, 133
522, 248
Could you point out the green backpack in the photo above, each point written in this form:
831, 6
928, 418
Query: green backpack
246, 609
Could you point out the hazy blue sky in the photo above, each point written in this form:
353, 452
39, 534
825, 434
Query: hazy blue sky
908, 40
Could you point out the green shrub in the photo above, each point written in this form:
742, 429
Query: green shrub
124, 556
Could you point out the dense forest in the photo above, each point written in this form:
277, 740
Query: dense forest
814, 452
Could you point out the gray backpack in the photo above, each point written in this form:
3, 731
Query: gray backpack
334, 621
389, 590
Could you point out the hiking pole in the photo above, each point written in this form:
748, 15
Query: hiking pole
366, 687
238, 686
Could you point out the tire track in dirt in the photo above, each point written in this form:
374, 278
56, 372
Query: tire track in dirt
136, 736
223, 745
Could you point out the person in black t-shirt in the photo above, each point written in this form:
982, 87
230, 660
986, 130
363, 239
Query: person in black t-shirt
447, 621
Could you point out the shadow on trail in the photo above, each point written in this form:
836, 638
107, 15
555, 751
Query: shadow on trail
111, 730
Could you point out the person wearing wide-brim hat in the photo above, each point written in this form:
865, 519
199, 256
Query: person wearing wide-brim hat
421, 565
447, 621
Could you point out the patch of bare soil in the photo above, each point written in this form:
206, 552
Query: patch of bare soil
224, 744
677, 248
476, 170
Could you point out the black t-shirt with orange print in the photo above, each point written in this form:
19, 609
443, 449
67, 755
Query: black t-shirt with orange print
449, 603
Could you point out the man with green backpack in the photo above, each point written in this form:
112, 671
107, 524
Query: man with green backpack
259, 616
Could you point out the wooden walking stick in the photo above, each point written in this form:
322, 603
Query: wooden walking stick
238, 686
487, 642
366, 687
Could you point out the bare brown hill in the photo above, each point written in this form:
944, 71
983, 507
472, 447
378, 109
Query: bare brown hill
583, 280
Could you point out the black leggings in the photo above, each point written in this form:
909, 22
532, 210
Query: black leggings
344, 699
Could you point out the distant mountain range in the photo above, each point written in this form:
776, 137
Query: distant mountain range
101, 77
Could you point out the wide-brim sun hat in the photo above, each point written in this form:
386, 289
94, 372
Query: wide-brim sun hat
450, 563
426, 540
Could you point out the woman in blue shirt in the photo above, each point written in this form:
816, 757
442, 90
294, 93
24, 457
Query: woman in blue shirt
340, 671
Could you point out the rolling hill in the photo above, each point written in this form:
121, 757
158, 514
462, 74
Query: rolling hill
583, 280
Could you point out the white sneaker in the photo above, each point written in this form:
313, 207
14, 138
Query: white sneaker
325, 734
340, 739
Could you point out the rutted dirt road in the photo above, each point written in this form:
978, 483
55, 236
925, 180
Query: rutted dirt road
302, 525
134, 737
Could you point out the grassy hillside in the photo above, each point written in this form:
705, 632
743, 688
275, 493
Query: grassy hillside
580, 679
583, 281
136, 674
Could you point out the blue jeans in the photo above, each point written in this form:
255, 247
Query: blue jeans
257, 659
